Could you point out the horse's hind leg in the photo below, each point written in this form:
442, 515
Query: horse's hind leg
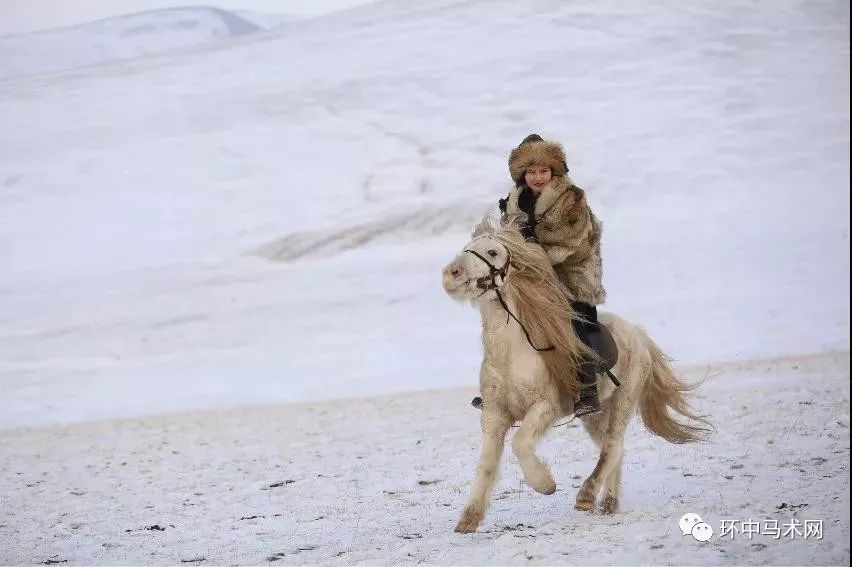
607, 430
494, 429
612, 488
536, 422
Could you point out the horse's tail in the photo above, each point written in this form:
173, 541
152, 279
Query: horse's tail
663, 390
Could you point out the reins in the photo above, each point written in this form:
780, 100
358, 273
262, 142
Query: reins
494, 272
489, 283
492, 284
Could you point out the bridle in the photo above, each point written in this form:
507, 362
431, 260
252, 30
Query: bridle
489, 282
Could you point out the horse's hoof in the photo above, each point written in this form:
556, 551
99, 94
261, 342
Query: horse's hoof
465, 528
540, 480
548, 489
610, 505
469, 522
584, 505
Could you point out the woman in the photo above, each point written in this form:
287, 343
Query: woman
554, 212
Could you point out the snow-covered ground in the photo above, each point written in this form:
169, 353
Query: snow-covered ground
382, 481
263, 221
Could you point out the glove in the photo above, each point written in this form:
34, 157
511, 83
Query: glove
528, 232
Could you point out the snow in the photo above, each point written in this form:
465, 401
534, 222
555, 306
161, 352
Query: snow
140, 200
382, 481
262, 220
121, 38
267, 20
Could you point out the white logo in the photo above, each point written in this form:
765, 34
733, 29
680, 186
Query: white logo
692, 524
702, 531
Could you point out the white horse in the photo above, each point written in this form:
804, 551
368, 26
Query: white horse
529, 371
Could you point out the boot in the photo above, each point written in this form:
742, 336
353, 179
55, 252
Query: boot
589, 402
587, 331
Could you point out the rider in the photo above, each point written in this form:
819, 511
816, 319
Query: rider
554, 212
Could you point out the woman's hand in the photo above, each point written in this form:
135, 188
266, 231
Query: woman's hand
528, 232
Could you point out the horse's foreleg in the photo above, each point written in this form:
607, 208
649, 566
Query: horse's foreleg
536, 422
494, 429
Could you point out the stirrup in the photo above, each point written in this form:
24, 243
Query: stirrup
589, 407
588, 410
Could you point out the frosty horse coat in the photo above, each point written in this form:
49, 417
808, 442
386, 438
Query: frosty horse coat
529, 371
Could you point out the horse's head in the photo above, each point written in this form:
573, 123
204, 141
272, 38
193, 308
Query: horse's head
479, 269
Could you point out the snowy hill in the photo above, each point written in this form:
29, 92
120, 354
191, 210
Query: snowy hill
266, 20
123, 37
266, 221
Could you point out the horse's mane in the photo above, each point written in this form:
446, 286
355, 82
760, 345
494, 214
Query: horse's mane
542, 304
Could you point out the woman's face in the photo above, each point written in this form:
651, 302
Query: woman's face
537, 176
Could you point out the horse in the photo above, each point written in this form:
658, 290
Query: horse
529, 371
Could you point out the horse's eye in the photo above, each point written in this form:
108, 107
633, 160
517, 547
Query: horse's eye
492, 253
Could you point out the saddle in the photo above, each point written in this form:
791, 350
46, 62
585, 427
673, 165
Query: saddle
604, 346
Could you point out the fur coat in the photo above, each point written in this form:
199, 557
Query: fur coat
570, 234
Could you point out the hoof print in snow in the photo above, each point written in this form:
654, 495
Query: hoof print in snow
278, 484
153, 528
427, 482
193, 560
52, 561
791, 506
411, 536
758, 546
657, 546
276, 556
517, 527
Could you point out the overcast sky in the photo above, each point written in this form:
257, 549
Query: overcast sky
20, 16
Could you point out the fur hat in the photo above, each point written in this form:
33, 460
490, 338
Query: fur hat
534, 150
